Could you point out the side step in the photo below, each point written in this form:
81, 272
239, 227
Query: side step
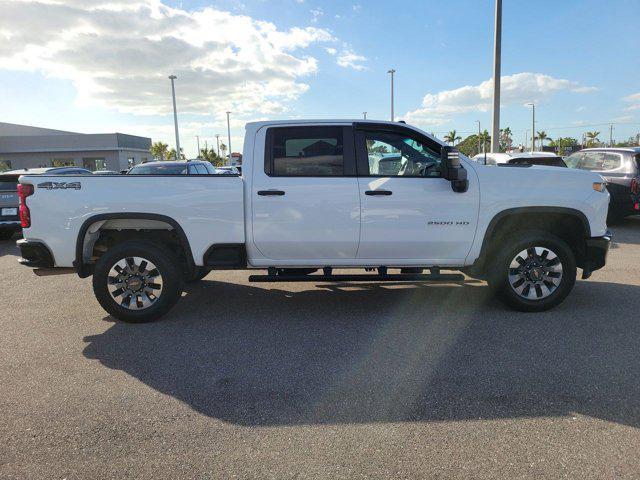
440, 277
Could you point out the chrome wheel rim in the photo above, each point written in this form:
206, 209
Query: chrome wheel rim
535, 273
134, 283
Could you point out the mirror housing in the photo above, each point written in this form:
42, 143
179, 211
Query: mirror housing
453, 170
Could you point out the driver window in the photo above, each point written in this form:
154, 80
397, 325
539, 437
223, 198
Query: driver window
397, 155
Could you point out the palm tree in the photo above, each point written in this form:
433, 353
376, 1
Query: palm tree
506, 139
484, 139
452, 137
593, 138
542, 136
159, 150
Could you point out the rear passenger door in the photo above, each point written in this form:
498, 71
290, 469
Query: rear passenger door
305, 199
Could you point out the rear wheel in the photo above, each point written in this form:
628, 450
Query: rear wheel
137, 281
534, 272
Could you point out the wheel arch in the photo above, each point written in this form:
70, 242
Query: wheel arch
81, 264
568, 224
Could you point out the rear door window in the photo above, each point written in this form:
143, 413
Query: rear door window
313, 151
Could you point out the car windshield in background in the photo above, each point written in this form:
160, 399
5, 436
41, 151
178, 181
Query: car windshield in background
159, 170
9, 183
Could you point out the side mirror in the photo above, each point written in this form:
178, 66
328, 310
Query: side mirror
452, 170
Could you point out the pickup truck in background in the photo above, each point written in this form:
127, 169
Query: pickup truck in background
314, 197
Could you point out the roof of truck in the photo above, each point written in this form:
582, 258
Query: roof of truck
337, 121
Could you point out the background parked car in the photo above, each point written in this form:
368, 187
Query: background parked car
192, 167
106, 172
621, 169
228, 170
9, 215
521, 158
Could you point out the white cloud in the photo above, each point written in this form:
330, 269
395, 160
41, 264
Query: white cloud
519, 88
349, 59
634, 102
357, 8
331, 50
118, 54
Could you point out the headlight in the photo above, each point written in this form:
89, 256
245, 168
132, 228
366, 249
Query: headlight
600, 186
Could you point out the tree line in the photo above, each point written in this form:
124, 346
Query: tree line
160, 152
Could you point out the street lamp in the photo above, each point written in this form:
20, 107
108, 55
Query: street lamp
175, 115
229, 136
497, 47
533, 126
198, 140
392, 72
478, 122
218, 144
364, 115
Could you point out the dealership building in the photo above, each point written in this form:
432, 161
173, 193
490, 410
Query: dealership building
23, 146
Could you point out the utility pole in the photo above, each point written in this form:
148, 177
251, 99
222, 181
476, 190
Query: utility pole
497, 47
526, 138
218, 144
478, 122
229, 136
611, 136
533, 126
392, 72
364, 115
198, 140
175, 116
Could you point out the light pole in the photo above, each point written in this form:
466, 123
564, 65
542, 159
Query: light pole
364, 115
218, 144
198, 140
175, 115
478, 122
229, 136
392, 72
533, 126
497, 47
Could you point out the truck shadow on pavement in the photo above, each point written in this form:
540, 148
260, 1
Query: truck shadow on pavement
371, 353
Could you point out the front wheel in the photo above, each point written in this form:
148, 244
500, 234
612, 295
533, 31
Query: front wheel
534, 272
137, 281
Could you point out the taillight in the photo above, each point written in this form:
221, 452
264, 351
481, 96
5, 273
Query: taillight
24, 190
635, 188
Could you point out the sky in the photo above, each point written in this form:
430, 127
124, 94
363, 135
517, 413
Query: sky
100, 66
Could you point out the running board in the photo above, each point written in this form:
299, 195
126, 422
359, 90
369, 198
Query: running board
441, 277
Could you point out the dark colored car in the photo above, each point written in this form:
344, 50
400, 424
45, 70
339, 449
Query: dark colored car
620, 167
192, 167
9, 215
533, 160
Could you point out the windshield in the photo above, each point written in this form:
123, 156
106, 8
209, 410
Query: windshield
158, 170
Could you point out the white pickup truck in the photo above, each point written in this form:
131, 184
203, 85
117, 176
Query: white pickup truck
315, 196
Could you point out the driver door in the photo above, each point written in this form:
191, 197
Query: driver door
409, 214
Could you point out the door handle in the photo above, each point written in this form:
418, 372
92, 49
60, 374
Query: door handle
378, 192
276, 193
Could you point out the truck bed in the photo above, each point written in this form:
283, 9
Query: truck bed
208, 208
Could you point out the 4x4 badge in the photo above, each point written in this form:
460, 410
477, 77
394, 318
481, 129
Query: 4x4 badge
60, 185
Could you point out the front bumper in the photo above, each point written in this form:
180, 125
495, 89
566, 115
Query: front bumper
596, 252
35, 254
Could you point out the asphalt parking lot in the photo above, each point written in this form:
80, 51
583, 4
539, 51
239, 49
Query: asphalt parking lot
322, 381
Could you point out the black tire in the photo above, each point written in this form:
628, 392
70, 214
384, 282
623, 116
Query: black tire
500, 270
165, 263
198, 274
6, 234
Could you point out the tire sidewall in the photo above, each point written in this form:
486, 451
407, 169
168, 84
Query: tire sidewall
165, 262
499, 277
